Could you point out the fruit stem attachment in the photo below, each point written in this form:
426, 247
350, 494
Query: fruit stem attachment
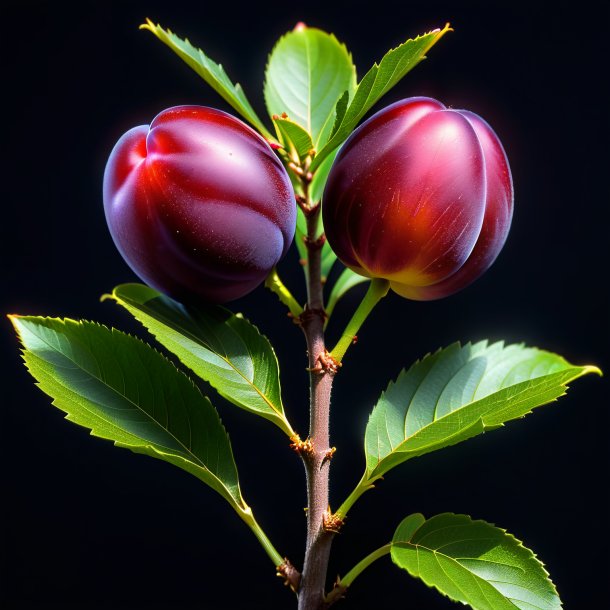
342, 584
275, 284
248, 518
378, 288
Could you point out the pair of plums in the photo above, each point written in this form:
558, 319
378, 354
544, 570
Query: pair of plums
201, 208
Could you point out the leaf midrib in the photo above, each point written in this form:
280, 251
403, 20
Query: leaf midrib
476, 577
309, 80
188, 451
195, 339
422, 429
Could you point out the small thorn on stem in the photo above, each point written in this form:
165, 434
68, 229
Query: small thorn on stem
329, 456
331, 523
354, 339
290, 574
303, 262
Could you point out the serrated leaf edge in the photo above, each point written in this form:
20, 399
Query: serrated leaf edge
325, 150
287, 142
144, 444
343, 47
250, 114
279, 416
580, 372
512, 537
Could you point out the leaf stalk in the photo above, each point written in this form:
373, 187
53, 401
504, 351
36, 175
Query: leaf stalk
275, 284
344, 583
363, 485
248, 518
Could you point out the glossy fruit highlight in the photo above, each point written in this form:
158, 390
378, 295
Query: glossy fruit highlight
198, 204
420, 195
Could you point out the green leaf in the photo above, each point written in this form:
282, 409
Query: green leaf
293, 138
307, 73
345, 282
473, 562
221, 347
340, 111
375, 84
125, 391
457, 393
212, 73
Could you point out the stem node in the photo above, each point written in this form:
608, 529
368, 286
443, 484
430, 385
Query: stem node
304, 448
290, 575
331, 522
325, 364
311, 314
338, 592
315, 243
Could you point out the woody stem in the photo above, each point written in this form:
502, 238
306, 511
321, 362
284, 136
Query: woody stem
317, 464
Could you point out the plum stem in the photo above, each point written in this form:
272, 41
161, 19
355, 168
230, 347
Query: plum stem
317, 460
378, 288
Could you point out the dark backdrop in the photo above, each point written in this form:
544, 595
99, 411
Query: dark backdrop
91, 526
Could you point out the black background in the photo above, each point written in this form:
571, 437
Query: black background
87, 525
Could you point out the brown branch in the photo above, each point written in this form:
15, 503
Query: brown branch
317, 462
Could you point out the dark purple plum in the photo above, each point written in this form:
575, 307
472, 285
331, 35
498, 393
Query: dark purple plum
198, 204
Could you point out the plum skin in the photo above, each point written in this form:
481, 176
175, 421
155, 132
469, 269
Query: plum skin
198, 204
420, 195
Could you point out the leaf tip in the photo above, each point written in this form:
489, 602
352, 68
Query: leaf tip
13, 319
438, 34
591, 368
441, 31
